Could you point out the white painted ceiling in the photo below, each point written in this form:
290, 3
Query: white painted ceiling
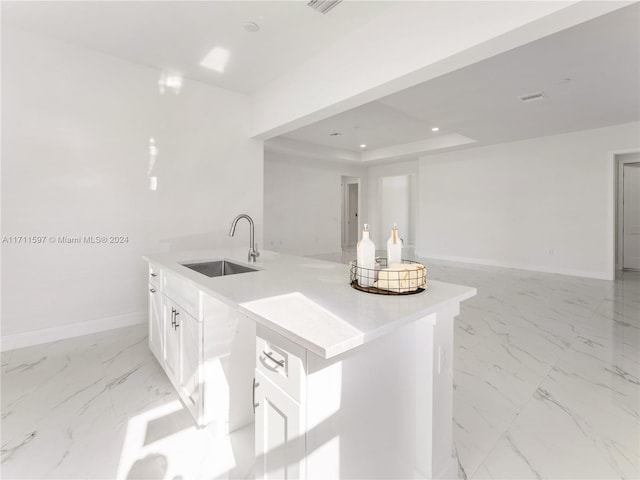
601, 58
590, 76
174, 36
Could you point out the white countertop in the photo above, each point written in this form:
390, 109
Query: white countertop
310, 301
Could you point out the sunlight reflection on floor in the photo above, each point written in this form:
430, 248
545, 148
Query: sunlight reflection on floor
153, 438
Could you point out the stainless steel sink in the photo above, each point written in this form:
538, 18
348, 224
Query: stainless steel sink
219, 268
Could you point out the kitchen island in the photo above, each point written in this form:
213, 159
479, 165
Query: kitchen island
343, 384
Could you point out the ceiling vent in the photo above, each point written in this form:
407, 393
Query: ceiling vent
323, 6
531, 97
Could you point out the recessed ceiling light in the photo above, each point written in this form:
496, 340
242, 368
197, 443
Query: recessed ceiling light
363, 146
335, 134
435, 129
251, 27
216, 59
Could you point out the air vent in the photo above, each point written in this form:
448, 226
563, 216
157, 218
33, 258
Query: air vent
323, 6
531, 97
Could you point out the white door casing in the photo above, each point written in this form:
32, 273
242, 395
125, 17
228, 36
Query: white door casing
352, 213
631, 216
350, 208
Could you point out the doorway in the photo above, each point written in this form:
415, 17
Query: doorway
350, 207
628, 207
396, 204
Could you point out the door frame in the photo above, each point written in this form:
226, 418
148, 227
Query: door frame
344, 206
410, 237
620, 163
614, 200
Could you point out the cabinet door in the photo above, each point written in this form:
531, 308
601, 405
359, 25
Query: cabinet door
155, 322
190, 352
279, 433
171, 341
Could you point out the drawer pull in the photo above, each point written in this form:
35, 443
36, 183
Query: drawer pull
255, 404
154, 274
278, 362
152, 290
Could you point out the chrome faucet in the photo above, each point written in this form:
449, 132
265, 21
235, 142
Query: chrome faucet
253, 248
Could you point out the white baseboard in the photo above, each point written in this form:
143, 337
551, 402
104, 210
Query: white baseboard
522, 266
37, 337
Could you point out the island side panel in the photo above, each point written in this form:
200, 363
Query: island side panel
370, 412
434, 391
444, 463
228, 364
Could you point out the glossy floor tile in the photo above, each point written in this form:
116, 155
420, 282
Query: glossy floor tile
546, 373
546, 385
100, 406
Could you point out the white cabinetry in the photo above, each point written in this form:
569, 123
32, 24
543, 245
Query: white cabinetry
172, 342
280, 408
155, 313
380, 411
182, 354
279, 432
190, 354
206, 349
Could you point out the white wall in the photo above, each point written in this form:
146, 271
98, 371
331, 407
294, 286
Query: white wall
75, 158
302, 203
544, 204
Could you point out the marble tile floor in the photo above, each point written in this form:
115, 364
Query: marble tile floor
100, 407
546, 374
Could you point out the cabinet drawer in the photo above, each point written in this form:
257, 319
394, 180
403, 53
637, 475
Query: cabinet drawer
281, 361
182, 292
154, 275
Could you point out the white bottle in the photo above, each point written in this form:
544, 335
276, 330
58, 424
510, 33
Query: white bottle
394, 247
366, 259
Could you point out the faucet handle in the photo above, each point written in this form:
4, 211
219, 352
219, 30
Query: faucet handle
253, 253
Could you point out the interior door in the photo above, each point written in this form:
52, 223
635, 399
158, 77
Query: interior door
631, 216
353, 214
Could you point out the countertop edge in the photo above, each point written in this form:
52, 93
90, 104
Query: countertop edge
325, 352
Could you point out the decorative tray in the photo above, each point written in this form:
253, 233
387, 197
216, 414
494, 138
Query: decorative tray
407, 278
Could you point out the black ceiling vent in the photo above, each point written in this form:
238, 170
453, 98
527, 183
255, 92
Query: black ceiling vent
531, 97
323, 6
